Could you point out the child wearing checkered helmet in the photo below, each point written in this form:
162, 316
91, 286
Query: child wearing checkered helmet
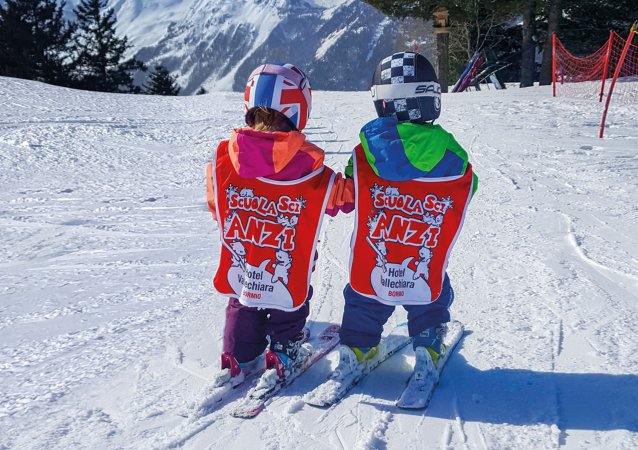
413, 183
405, 87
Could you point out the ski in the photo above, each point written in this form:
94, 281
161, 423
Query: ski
217, 393
257, 398
419, 390
335, 389
224, 387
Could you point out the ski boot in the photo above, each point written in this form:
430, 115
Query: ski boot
231, 375
352, 360
283, 361
287, 358
233, 372
431, 340
428, 349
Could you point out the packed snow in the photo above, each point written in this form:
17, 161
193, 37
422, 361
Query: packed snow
109, 325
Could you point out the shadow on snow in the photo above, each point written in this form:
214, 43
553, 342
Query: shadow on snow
577, 401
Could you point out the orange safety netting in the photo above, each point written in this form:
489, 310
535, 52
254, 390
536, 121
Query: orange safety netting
579, 76
611, 71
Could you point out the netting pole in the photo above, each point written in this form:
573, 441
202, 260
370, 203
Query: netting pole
607, 57
634, 30
554, 63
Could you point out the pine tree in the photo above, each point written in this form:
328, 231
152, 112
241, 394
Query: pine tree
98, 63
554, 13
582, 25
34, 40
202, 90
161, 82
585, 24
528, 62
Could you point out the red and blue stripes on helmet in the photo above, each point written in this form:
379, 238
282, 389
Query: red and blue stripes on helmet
282, 87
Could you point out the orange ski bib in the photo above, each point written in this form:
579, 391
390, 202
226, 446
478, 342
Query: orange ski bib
269, 231
404, 232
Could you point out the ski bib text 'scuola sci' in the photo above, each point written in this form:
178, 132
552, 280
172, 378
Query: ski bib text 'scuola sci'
269, 231
404, 232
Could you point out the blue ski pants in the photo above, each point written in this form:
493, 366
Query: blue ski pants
364, 317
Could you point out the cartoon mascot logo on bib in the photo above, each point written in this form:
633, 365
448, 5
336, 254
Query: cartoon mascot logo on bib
403, 231
271, 226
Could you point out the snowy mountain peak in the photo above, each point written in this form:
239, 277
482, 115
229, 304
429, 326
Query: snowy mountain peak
217, 43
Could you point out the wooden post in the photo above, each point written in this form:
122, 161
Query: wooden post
442, 30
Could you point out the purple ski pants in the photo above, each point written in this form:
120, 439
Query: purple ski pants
247, 327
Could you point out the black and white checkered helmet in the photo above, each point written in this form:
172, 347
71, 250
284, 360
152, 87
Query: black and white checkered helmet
405, 86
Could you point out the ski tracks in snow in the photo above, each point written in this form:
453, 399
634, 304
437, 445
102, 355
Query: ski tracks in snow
577, 289
104, 250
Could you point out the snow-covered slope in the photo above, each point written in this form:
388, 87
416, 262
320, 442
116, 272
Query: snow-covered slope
217, 43
109, 324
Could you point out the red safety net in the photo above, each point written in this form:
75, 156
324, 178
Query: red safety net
611, 71
579, 76
626, 89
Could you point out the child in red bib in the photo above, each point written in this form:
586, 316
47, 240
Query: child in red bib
413, 183
268, 189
